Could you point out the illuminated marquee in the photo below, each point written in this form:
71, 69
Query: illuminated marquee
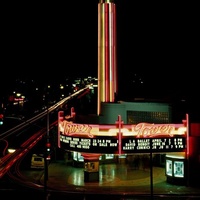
121, 138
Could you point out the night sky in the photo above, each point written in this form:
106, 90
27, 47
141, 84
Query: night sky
158, 41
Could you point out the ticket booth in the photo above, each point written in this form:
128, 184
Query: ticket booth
175, 168
91, 167
91, 171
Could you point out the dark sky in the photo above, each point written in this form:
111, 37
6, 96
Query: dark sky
158, 40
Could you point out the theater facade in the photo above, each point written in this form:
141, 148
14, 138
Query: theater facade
131, 131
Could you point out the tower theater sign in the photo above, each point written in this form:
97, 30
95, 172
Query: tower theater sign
121, 138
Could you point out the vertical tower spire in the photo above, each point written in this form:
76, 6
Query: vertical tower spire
107, 73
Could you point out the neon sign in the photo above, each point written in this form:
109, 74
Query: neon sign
140, 130
121, 138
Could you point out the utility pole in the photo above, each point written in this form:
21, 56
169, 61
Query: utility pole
46, 156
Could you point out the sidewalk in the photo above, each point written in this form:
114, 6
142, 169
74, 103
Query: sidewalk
115, 179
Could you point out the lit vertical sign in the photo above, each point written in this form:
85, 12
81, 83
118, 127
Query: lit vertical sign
107, 82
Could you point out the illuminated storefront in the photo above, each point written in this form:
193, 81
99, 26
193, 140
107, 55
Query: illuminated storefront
175, 169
